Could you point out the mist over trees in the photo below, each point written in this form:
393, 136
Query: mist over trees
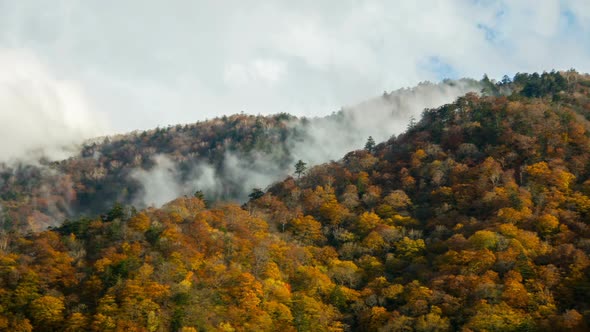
224, 158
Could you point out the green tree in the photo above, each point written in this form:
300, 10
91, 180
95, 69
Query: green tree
256, 194
199, 194
412, 124
300, 168
489, 87
118, 211
370, 145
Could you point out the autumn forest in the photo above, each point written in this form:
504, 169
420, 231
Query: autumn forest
475, 218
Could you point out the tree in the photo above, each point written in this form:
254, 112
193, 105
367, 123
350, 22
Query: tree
256, 194
76, 322
398, 200
433, 322
412, 124
118, 211
307, 229
300, 168
140, 222
47, 310
547, 224
199, 194
368, 221
489, 88
370, 145
484, 239
496, 317
344, 272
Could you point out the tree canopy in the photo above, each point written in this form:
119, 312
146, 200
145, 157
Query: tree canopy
475, 219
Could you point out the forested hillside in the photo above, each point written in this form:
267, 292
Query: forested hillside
103, 172
223, 157
474, 219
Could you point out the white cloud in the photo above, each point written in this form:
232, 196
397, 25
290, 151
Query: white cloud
40, 114
259, 71
148, 63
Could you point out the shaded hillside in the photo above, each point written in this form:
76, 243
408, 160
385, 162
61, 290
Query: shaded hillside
224, 158
475, 219
103, 172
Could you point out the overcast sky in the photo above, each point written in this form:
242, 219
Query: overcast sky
112, 66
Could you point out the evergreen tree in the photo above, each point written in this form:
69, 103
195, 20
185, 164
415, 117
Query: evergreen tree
300, 168
412, 123
370, 145
256, 194
199, 194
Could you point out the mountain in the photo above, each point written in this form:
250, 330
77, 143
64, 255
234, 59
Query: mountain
225, 158
473, 219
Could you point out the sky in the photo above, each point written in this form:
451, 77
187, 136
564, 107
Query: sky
71, 68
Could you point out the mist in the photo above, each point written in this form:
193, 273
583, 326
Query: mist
319, 140
165, 181
330, 138
41, 115
159, 183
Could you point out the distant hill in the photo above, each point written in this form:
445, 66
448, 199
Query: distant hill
225, 158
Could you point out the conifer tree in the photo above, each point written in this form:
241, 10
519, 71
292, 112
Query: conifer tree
370, 145
300, 168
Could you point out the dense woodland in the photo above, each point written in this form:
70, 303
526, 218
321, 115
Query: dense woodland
475, 219
34, 196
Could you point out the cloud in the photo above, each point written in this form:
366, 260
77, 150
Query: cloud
153, 63
40, 114
266, 71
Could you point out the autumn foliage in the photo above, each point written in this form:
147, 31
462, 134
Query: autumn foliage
475, 219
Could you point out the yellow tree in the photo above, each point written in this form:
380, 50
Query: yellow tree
307, 230
47, 311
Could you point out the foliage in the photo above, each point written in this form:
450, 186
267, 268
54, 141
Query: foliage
476, 220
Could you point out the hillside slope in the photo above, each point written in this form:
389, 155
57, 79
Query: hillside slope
475, 219
224, 158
